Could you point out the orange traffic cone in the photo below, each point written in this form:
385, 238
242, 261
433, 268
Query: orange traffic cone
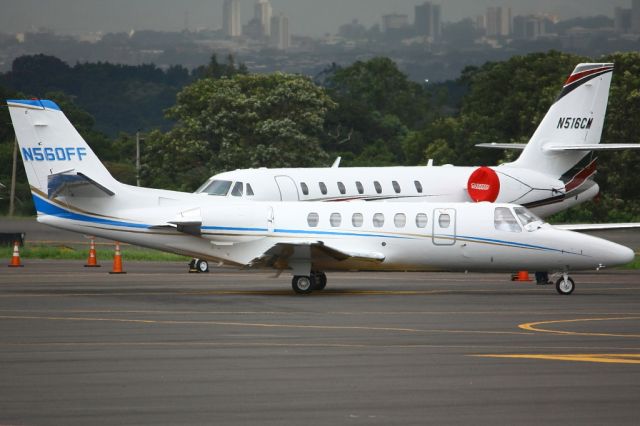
523, 276
117, 261
15, 259
92, 261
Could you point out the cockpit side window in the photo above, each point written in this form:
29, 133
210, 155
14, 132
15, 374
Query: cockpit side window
249, 190
527, 218
237, 189
504, 220
218, 187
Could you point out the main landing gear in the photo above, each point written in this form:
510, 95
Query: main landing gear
565, 284
198, 265
305, 284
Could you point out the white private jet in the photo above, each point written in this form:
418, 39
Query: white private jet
73, 190
554, 172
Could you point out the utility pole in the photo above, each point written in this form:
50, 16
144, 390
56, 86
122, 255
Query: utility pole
12, 195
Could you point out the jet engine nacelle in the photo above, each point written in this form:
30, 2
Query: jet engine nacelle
483, 185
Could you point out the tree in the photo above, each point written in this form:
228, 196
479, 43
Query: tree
240, 121
377, 102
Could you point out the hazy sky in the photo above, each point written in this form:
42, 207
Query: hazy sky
309, 17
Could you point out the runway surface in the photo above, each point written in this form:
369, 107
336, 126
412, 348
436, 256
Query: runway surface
163, 347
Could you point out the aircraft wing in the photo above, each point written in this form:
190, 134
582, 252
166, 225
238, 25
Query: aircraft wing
597, 226
519, 146
279, 254
594, 147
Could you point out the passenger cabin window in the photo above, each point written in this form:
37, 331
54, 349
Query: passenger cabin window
359, 187
218, 187
421, 220
444, 220
313, 219
341, 188
249, 190
357, 220
418, 186
378, 220
237, 189
400, 220
504, 220
377, 186
323, 188
304, 188
335, 219
396, 186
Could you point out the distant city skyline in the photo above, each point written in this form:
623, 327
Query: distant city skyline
306, 17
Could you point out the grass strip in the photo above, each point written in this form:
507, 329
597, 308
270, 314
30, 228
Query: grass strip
70, 252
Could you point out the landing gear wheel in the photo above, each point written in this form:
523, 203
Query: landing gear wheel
303, 284
320, 279
202, 265
565, 285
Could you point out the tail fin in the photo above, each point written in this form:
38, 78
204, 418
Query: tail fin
575, 119
53, 152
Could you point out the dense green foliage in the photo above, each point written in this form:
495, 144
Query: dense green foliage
239, 122
220, 117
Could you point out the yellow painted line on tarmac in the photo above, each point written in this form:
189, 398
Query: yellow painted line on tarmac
535, 326
600, 358
257, 325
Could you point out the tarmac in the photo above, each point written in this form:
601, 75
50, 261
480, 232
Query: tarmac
160, 346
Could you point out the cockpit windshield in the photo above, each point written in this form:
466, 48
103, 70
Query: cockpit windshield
216, 187
528, 219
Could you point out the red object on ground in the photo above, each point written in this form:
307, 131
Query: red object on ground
15, 259
92, 261
117, 261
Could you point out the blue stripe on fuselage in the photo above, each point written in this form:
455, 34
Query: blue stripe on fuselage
45, 207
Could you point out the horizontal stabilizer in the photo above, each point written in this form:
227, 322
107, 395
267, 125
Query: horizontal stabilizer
594, 147
518, 146
59, 182
597, 226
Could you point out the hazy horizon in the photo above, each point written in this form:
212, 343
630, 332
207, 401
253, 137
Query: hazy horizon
307, 17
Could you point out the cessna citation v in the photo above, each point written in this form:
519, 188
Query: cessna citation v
73, 190
554, 171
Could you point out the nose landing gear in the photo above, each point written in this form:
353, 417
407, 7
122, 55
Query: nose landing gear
565, 284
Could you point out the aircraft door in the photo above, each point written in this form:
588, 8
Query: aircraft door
288, 188
444, 227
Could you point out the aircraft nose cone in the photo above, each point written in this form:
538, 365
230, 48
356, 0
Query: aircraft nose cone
619, 255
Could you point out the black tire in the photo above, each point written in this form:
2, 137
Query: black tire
303, 284
320, 279
202, 266
565, 288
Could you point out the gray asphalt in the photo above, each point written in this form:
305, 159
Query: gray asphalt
159, 346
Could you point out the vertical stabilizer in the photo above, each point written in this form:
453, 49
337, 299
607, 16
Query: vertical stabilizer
53, 152
575, 118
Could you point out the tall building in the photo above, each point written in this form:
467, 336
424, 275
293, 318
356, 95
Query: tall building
530, 27
635, 16
498, 21
428, 20
622, 20
231, 18
280, 37
263, 12
394, 21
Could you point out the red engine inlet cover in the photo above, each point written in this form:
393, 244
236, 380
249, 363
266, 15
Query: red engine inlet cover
483, 185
